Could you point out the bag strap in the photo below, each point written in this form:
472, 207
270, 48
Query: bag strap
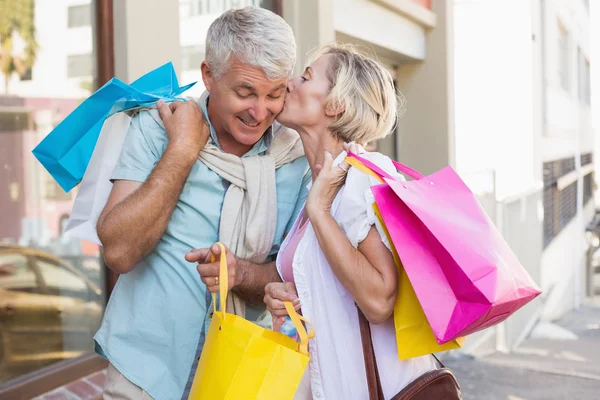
373, 381
224, 286
297, 321
372, 372
354, 159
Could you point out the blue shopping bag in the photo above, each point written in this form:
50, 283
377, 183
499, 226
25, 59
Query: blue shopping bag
66, 151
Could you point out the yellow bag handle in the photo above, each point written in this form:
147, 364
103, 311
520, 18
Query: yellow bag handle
297, 320
223, 280
363, 168
224, 286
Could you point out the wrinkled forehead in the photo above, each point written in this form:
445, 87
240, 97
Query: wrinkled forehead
246, 76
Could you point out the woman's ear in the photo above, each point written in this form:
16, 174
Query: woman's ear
333, 110
207, 76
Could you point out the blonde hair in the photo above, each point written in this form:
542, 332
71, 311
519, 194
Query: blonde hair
364, 92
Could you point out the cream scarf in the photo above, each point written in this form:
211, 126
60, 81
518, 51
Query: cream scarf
249, 213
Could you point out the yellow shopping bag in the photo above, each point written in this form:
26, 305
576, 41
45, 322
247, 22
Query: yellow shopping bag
414, 335
242, 360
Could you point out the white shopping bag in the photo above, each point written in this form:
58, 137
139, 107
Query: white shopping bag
95, 186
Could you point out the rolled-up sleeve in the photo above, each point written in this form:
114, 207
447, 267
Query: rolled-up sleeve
357, 214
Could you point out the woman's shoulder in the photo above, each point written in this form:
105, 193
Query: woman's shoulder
380, 160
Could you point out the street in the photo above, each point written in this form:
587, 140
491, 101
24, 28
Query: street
541, 368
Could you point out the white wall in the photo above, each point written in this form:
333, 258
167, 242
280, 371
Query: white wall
494, 93
568, 121
146, 36
56, 41
563, 262
567, 133
394, 34
426, 131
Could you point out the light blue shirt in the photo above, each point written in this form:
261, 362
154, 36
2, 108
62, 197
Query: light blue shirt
156, 318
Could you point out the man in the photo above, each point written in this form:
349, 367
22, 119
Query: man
172, 193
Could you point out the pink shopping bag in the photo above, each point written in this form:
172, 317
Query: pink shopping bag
465, 275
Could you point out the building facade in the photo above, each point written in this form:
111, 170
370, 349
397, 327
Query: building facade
498, 89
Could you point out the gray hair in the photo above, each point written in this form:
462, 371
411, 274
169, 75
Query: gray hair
255, 36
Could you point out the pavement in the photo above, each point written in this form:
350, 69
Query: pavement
547, 366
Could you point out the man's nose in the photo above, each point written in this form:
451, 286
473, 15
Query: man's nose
259, 112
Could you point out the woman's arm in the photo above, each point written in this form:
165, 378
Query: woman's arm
369, 272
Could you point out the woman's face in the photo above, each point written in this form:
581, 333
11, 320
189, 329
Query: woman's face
304, 105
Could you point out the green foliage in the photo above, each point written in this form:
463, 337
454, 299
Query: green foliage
17, 16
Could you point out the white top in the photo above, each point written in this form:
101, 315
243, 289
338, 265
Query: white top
337, 368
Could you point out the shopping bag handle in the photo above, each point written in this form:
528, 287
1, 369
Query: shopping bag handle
367, 166
224, 286
297, 321
223, 279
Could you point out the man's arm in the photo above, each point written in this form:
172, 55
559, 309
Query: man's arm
136, 214
251, 280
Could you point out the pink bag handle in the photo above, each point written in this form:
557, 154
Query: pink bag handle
381, 173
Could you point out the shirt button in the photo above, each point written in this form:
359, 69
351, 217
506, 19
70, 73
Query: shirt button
318, 394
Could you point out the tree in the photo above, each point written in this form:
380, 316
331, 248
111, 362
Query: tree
17, 18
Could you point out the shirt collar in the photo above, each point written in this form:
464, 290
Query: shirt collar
259, 147
340, 158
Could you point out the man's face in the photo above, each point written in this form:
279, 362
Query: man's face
243, 102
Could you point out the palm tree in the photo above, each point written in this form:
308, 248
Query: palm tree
17, 18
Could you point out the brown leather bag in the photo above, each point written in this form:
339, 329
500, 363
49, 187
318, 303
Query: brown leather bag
438, 384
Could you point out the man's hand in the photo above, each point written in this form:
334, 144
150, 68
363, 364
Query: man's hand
185, 125
209, 270
275, 294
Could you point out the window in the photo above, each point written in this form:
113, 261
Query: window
79, 66
560, 204
584, 79
15, 273
193, 8
588, 188
58, 280
191, 58
52, 285
192, 32
80, 16
563, 58
588, 180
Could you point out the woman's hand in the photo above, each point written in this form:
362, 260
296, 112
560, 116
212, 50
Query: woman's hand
325, 187
275, 294
328, 183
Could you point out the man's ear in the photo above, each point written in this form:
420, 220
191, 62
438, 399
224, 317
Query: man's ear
207, 76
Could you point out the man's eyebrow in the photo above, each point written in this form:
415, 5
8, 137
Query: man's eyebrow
244, 85
282, 86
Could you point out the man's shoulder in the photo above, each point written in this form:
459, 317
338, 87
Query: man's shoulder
148, 119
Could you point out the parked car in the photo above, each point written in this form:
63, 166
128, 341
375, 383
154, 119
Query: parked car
49, 311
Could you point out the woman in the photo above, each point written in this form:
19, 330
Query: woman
336, 257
